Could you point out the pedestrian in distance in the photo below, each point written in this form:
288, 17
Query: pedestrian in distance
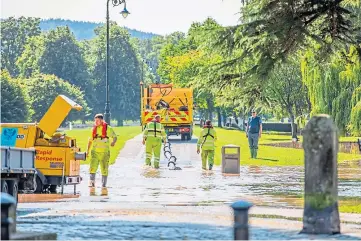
206, 142
254, 133
100, 151
153, 136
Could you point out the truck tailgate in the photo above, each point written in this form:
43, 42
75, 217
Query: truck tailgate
169, 117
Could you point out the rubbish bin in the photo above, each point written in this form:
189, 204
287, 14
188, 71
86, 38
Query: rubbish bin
231, 159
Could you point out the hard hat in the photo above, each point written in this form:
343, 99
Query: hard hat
157, 116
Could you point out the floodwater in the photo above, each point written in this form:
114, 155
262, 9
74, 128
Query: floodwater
177, 204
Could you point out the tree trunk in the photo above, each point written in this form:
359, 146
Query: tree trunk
120, 121
219, 115
235, 117
224, 117
243, 118
210, 109
293, 126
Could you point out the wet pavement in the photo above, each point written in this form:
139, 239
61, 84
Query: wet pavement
145, 203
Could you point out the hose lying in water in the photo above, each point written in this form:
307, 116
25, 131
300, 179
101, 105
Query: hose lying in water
171, 159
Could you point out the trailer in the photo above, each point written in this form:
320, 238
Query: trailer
18, 172
57, 158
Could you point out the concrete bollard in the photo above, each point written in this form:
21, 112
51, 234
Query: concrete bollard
8, 216
320, 142
240, 210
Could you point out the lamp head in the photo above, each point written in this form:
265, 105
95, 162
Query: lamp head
125, 12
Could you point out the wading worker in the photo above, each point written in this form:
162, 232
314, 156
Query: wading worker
100, 150
254, 132
153, 136
206, 142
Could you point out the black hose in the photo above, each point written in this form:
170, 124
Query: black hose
168, 155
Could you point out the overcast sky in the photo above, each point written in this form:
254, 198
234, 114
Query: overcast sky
157, 16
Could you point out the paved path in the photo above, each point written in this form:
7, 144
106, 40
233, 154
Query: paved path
165, 204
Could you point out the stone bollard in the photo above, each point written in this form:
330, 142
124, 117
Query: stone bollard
240, 210
8, 216
320, 142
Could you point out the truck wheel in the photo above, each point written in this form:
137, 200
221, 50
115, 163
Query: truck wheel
52, 188
39, 185
189, 137
14, 189
4, 186
183, 137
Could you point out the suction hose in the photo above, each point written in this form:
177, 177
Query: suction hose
168, 155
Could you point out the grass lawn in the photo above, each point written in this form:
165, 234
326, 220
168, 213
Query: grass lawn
346, 204
267, 155
124, 133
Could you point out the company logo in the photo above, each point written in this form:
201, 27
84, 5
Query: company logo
46, 155
8, 136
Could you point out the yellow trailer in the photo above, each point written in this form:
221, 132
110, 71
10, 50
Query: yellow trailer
174, 105
57, 157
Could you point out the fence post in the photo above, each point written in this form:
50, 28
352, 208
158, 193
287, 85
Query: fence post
240, 210
320, 143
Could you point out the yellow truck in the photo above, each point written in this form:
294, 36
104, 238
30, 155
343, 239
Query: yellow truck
57, 157
174, 105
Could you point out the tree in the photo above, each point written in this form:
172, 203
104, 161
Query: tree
14, 35
45, 88
287, 92
57, 52
124, 74
334, 87
273, 30
15, 101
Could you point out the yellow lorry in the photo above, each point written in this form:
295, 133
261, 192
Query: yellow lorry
57, 157
174, 105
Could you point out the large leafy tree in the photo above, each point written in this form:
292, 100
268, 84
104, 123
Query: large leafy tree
15, 101
287, 93
334, 88
14, 35
124, 74
44, 89
273, 30
58, 53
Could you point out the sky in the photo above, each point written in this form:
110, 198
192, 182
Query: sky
156, 16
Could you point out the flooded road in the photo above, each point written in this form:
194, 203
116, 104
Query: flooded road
178, 204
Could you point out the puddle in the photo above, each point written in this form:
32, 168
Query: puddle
131, 184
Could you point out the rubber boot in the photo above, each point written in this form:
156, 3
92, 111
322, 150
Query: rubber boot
255, 153
210, 167
92, 180
104, 181
251, 149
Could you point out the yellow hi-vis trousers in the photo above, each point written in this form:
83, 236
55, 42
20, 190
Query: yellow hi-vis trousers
101, 158
153, 145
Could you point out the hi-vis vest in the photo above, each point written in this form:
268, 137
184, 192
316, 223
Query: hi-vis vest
207, 139
154, 129
100, 136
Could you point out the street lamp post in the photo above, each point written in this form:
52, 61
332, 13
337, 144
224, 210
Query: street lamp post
125, 13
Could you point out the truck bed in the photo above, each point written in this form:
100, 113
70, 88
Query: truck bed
17, 160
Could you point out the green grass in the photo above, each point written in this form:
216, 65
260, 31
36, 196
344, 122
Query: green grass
267, 155
124, 133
